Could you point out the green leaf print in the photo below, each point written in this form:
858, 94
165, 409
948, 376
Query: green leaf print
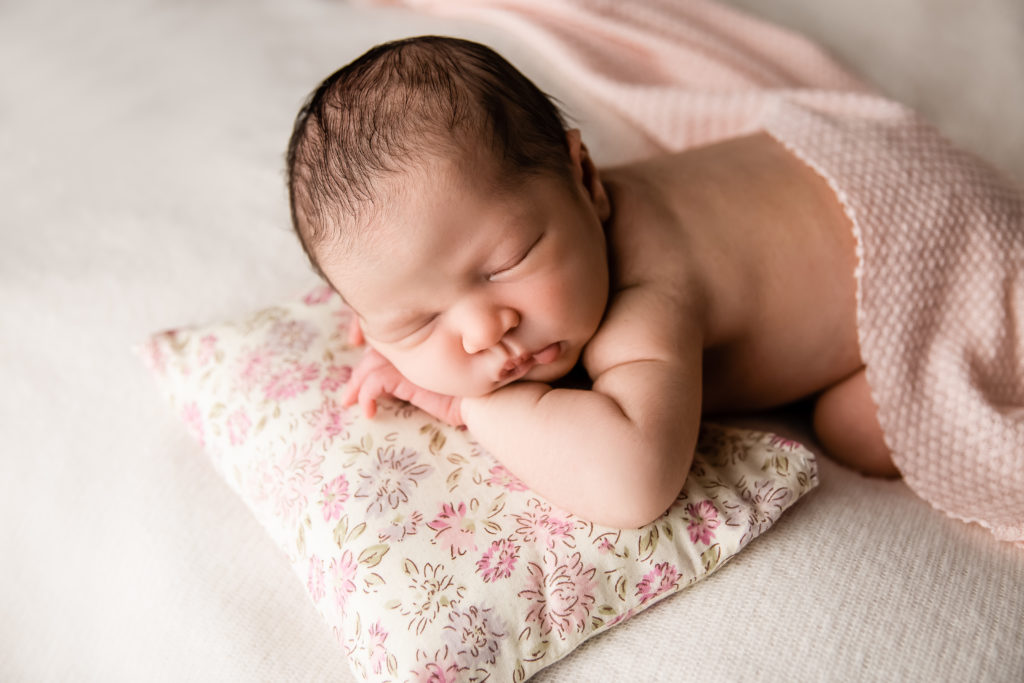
341, 531
372, 555
711, 557
648, 543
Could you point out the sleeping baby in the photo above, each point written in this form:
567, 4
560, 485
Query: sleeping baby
581, 321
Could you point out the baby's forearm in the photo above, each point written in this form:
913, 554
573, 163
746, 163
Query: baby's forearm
580, 450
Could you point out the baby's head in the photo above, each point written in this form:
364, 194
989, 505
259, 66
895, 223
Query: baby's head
437, 189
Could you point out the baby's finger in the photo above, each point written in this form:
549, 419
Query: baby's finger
369, 407
369, 363
355, 333
368, 401
368, 394
350, 392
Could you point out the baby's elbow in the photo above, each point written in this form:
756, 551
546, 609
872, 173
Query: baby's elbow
635, 479
643, 498
635, 513
651, 507
632, 518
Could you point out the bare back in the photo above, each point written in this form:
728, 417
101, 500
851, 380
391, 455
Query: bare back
745, 241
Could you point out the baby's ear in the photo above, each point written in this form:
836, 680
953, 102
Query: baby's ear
585, 172
577, 150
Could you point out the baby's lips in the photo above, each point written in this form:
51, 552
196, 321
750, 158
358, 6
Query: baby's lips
548, 354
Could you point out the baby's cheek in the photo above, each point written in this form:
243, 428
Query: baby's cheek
436, 372
417, 368
572, 304
553, 299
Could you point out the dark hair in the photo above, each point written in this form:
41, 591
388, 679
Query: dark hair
399, 103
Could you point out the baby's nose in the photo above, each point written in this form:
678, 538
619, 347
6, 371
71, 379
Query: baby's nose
487, 328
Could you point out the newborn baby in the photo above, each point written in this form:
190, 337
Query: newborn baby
486, 256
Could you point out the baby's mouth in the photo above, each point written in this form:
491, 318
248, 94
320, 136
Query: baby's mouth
515, 368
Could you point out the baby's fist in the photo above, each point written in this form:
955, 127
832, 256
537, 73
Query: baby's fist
375, 376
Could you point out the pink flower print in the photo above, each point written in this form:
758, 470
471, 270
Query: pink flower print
207, 349
605, 546
332, 497
784, 443
542, 525
253, 369
664, 577
561, 594
378, 653
474, 635
764, 503
453, 530
501, 476
154, 357
335, 377
193, 421
238, 424
499, 561
440, 668
327, 421
318, 295
343, 574
388, 481
401, 526
287, 479
703, 521
291, 336
290, 381
315, 579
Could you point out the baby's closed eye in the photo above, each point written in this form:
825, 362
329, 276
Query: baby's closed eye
511, 264
406, 332
417, 328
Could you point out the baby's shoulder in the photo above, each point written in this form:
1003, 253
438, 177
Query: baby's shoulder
649, 238
645, 321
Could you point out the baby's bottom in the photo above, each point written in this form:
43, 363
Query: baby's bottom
846, 424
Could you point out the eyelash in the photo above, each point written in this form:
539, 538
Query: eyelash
423, 323
519, 260
429, 319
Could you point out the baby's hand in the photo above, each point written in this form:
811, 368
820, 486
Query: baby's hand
374, 377
355, 333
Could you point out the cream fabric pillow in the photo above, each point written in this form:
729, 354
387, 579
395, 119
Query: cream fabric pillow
427, 558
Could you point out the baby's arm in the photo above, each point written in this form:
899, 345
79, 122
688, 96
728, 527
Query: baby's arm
617, 454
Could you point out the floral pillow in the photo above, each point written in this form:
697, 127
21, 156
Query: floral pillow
427, 558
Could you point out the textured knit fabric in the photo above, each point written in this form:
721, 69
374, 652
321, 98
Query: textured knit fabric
940, 303
941, 234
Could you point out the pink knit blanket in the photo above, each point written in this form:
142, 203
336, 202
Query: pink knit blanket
940, 233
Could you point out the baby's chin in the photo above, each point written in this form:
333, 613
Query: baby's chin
552, 372
547, 373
